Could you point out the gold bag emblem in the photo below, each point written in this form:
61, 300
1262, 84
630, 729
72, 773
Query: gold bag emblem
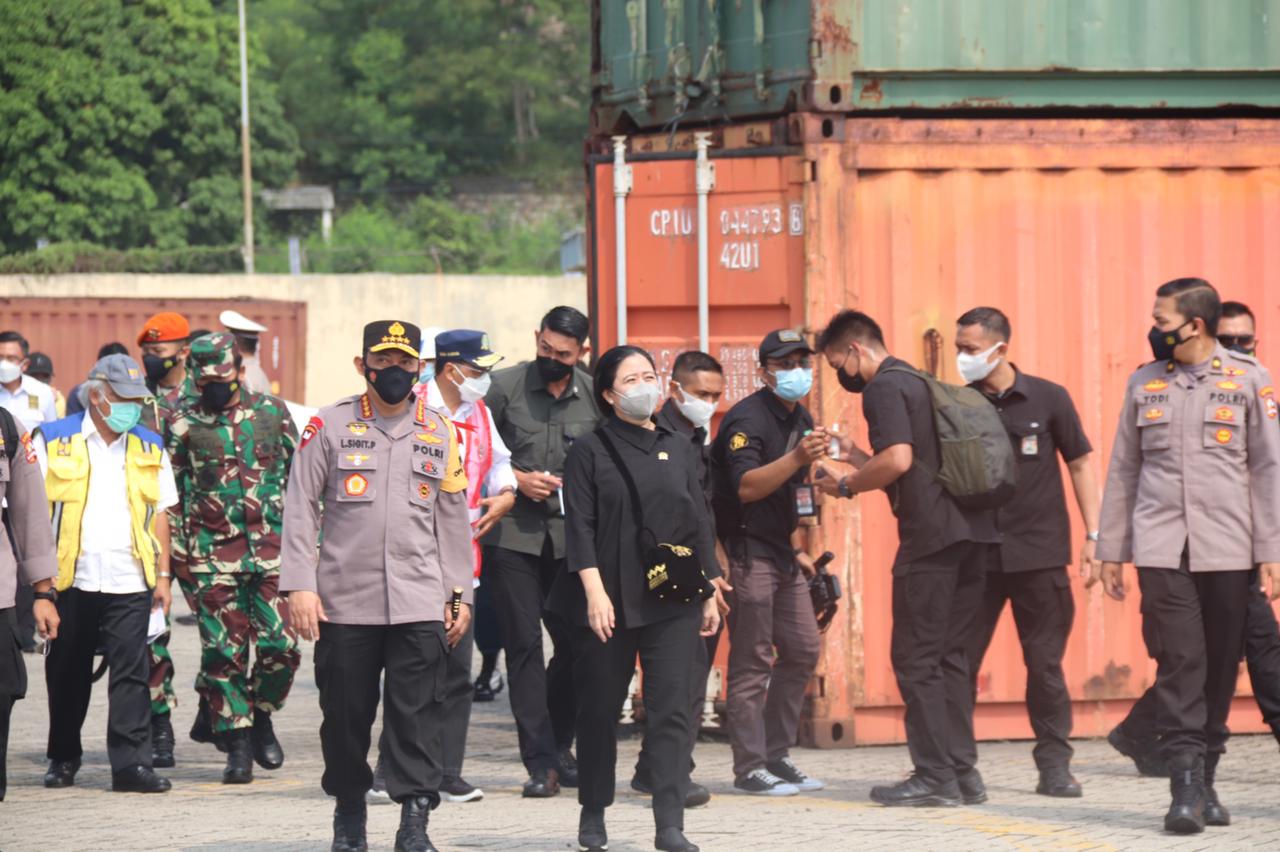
657, 576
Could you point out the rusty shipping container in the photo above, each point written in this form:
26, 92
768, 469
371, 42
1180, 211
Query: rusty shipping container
659, 63
1067, 225
71, 330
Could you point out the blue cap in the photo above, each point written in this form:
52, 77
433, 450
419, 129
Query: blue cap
466, 345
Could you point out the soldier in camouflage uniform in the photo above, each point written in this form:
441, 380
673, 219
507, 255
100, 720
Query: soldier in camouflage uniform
165, 344
231, 451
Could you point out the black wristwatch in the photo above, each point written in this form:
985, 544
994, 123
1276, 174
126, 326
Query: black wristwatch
51, 596
845, 490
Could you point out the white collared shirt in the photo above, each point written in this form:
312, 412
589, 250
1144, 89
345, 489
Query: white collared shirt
500, 473
32, 403
106, 562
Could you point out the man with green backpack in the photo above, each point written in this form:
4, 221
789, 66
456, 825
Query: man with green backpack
941, 454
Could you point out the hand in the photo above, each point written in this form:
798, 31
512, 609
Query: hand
162, 595
180, 569
455, 630
811, 447
851, 452
536, 486
494, 509
305, 614
1113, 580
805, 561
722, 588
47, 620
1090, 568
827, 479
600, 614
1270, 574
710, 617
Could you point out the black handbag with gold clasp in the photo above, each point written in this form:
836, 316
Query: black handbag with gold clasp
673, 572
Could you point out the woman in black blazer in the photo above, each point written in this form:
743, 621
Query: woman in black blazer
604, 594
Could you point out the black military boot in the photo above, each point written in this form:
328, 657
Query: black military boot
1186, 783
349, 821
266, 748
412, 836
161, 741
202, 728
239, 757
1215, 813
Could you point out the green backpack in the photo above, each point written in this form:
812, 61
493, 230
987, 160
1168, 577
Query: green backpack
978, 469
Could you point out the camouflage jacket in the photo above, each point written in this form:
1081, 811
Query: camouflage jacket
231, 468
158, 414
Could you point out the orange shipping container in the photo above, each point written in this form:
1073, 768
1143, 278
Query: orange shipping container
1066, 225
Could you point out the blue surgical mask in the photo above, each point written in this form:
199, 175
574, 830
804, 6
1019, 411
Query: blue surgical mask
428, 372
122, 416
794, 385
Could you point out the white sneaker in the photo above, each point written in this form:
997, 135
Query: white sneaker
458, 790
791, 774
762, 782
378, 794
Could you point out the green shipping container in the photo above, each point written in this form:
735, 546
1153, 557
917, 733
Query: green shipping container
656, 62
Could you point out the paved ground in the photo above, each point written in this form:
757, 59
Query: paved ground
286, 810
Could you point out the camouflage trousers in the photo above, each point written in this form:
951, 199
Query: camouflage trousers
163, 698
234, 611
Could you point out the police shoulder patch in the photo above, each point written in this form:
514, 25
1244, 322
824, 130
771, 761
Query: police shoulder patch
29, 448
738, 441
313, 427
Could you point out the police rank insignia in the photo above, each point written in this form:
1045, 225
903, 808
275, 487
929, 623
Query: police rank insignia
1227, 384
355, 485
428, 438
357, 459
1154, 413
314, 425
357, 428
1233, 371
1156, 385
738, 441
1224, 415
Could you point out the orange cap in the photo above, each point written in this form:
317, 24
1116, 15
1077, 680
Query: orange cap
164, 328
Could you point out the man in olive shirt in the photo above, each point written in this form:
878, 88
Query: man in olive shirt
540, 408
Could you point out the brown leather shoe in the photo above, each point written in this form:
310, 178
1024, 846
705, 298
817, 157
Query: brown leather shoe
542, 784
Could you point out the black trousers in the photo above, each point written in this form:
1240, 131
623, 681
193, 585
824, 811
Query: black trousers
704, 655
1043, 610
350, 660
1193, 626
1261, 651
117, 623
542, 697
488, 631
936, 601
455, 709
13, 682
602, 671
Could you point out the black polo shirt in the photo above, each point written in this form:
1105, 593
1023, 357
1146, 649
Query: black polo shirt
670, 418
899, 410
757, 431
600, 527
1042, 423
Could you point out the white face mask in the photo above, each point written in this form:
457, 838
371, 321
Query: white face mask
639, 402
9, 371
975, 368
473, 390
697, 411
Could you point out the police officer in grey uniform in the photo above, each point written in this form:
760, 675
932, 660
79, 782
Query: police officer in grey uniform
35, 564
378, 481
1191, 499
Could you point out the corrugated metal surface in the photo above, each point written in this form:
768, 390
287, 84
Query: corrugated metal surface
1068, 226
656, 61
71, 330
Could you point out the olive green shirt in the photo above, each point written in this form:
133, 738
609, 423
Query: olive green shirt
538, 429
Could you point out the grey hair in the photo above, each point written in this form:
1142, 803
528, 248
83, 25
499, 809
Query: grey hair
87, 388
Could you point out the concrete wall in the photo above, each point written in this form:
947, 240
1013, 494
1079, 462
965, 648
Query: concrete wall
507, 307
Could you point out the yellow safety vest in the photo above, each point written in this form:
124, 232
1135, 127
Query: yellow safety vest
67, 486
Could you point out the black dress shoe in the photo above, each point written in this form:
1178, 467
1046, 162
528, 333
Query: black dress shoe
349, 821
202, 728
484, 692
61, 773
139, 779
542, 784
592, 836
568, 768
161, 741
1059, 783
412, 834
1145, 756
672, 839
239, 768
266, 748
1215, 813
916, 792
973, 790
695, 797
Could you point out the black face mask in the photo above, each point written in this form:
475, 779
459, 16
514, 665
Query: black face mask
553, 370
854, 383
157, 368
392, 383
215, 396
1164, 342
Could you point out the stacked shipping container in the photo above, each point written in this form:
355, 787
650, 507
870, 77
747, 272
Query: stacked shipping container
1066, 220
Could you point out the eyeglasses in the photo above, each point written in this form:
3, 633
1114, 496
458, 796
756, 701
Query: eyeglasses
1229, 340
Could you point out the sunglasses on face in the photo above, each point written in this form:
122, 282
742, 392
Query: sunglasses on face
1229, 340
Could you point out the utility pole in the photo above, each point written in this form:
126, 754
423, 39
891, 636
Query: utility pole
246, 167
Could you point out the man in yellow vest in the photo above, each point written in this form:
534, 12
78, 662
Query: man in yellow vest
109, 483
